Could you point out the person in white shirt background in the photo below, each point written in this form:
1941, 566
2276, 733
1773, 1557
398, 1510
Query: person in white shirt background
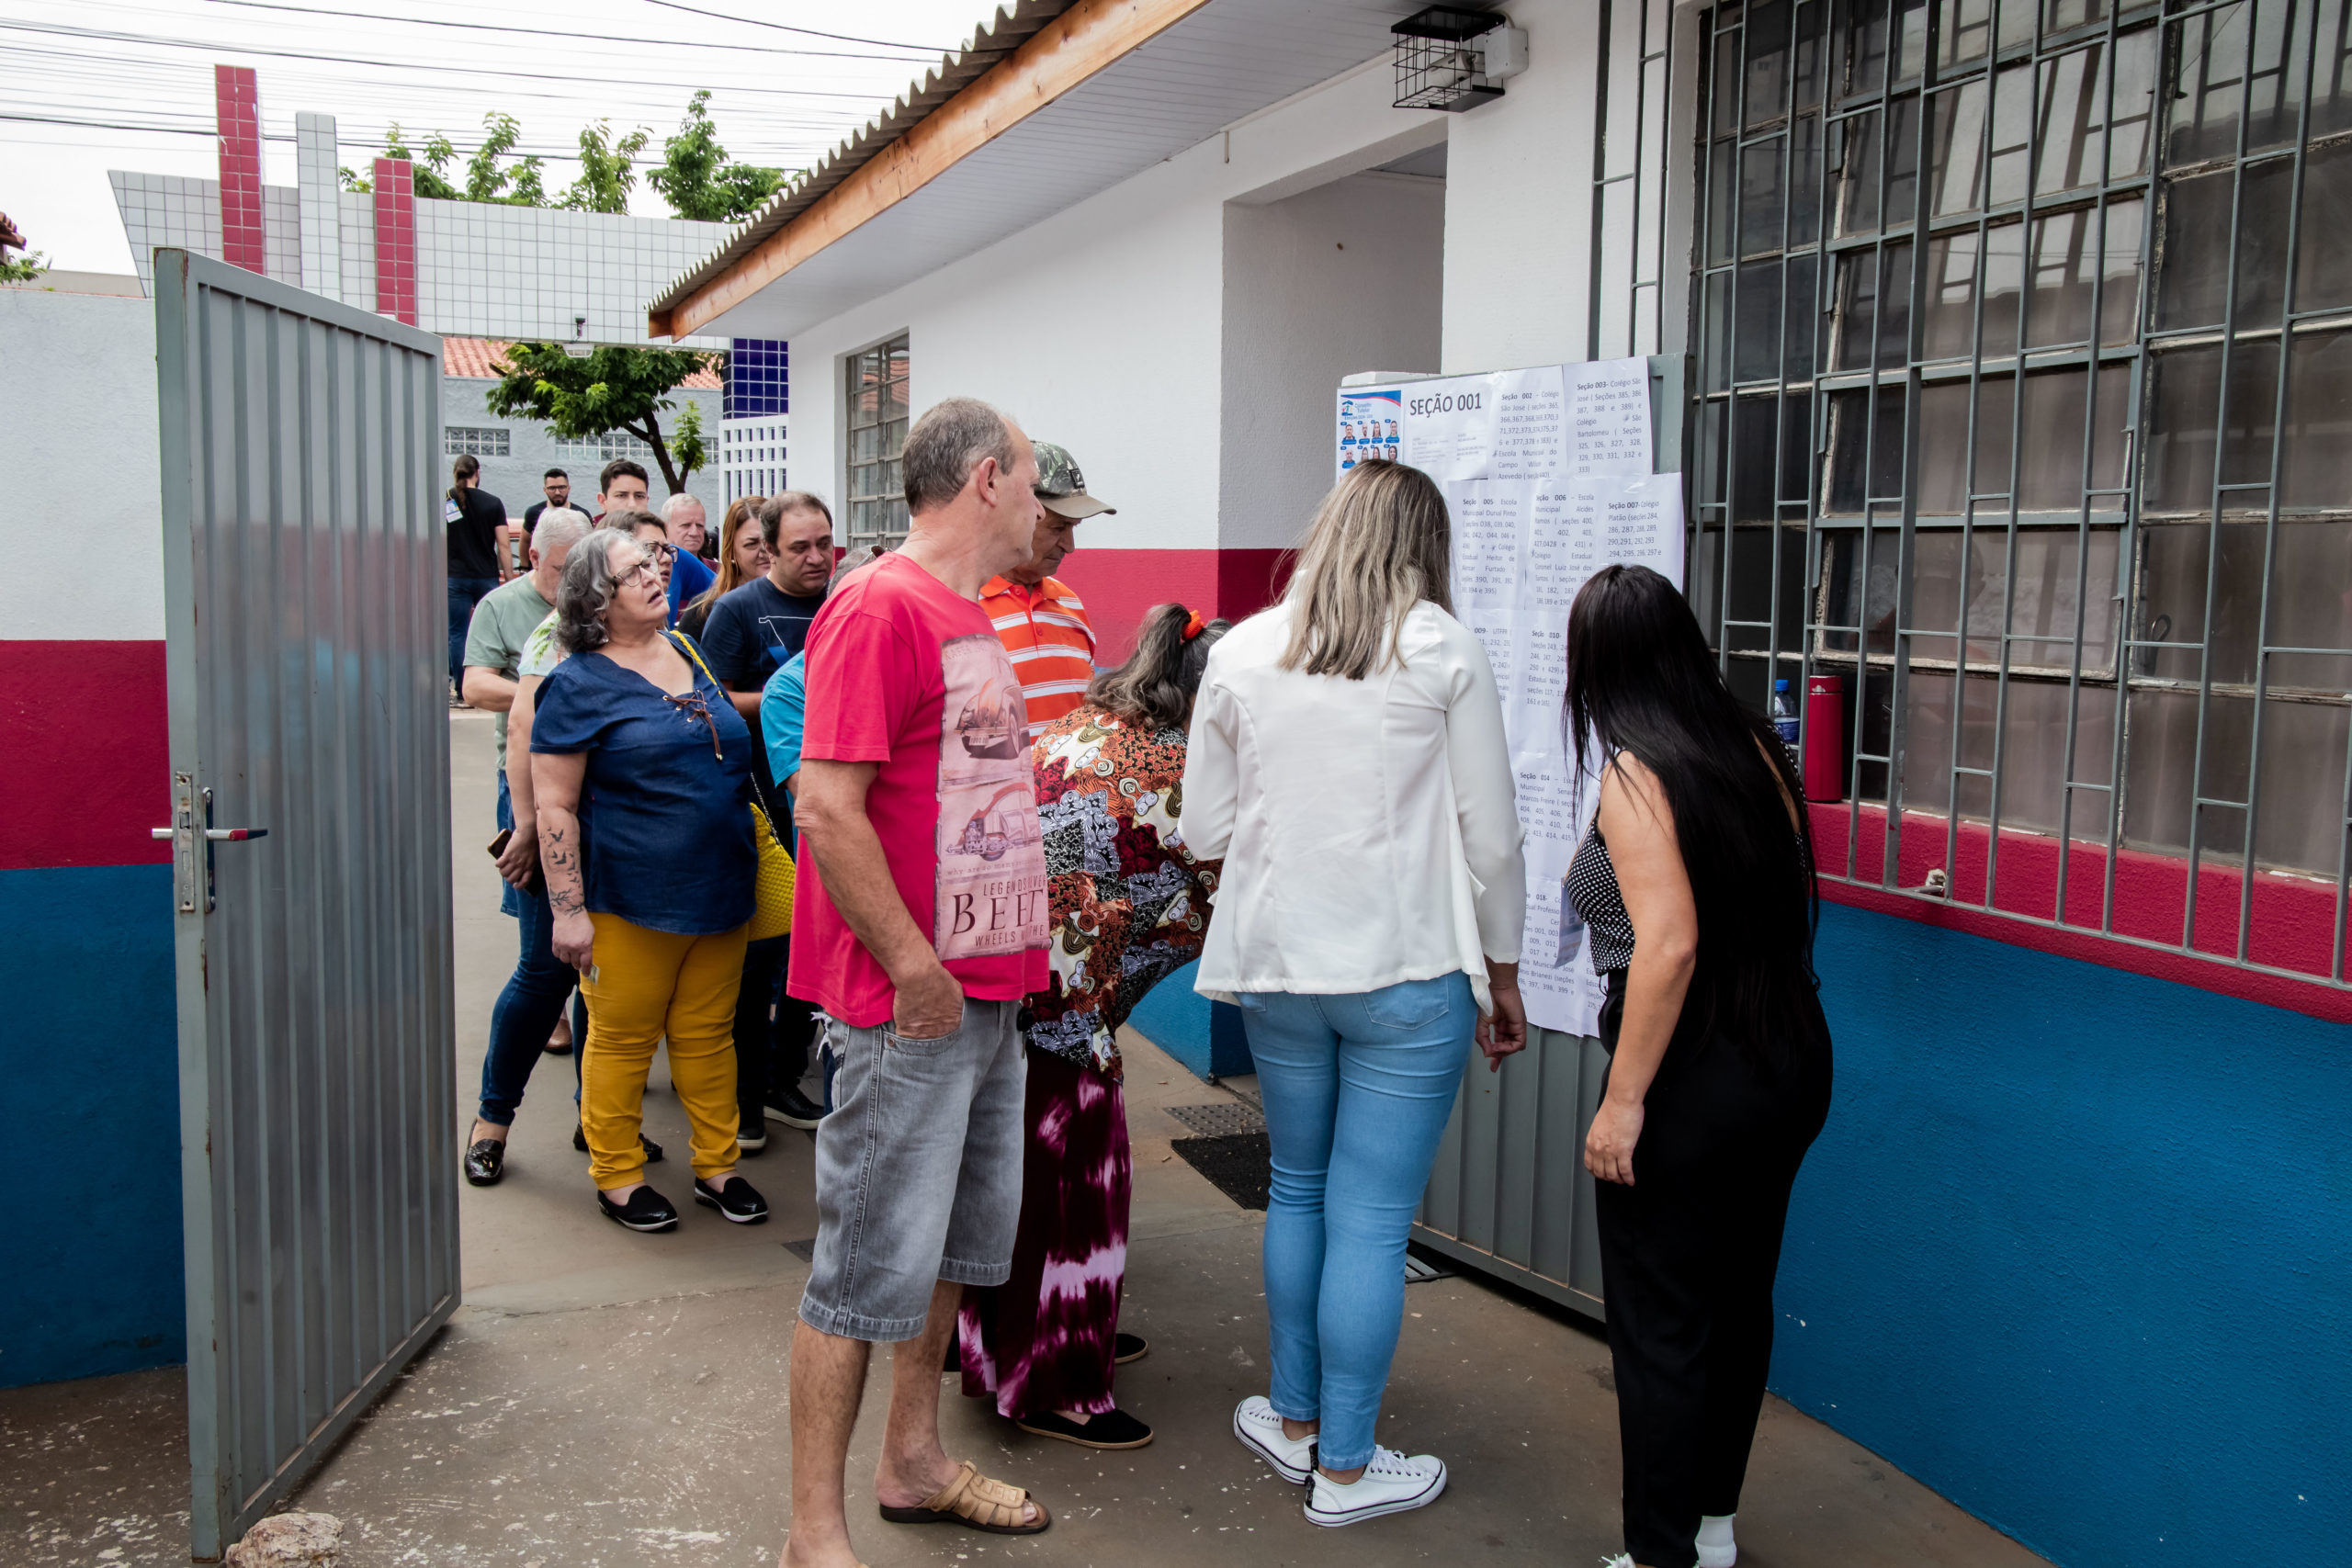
1347, 762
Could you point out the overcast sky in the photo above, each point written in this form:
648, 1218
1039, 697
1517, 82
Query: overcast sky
103, 85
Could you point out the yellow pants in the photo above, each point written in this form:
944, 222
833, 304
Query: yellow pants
646, 985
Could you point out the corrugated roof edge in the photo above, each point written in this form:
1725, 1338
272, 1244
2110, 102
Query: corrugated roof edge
1011, 27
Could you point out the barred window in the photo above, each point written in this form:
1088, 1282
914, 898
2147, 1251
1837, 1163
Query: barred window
2022, 396
479, 440
604, 449
877, 430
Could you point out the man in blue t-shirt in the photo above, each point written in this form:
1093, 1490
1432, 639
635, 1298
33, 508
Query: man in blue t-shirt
758, 627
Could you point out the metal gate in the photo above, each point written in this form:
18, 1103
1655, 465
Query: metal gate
304, 578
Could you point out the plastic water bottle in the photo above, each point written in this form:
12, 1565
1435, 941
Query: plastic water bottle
1784, 717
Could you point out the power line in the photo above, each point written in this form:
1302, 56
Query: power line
565, 154
109, 36
596, 38
756, 22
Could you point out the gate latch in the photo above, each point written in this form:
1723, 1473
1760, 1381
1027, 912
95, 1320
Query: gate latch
191, 834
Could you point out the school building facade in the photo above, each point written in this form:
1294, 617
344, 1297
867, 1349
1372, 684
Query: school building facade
2018, 429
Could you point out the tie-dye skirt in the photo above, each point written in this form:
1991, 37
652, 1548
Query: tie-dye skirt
1042, 1340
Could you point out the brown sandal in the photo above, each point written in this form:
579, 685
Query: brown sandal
975, 1502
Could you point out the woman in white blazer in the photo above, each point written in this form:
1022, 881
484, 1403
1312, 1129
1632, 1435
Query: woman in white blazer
1347, 762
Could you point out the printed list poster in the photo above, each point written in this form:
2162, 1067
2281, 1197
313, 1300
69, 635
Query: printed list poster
1547, 475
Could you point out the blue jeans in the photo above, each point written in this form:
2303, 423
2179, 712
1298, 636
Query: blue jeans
1358, 1089
527, 1010
465, 592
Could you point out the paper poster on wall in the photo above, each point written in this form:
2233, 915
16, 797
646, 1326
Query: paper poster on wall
1546, 474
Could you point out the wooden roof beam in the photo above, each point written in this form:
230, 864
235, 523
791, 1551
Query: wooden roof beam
1067, 52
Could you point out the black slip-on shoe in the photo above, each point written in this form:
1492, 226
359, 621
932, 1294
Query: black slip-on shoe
1125, 1347
739, 1199
1112, 1430
645, 1210
652, 1150
752, 1135
795, 1109
486, 1162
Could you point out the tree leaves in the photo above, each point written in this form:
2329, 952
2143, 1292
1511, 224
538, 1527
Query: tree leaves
698, 179
614, 388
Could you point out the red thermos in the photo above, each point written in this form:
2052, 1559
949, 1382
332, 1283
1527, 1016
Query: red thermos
1825, 738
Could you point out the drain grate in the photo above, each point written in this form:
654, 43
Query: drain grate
1221, 1119
1236, 1164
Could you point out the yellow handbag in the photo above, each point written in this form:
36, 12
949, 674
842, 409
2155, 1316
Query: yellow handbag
772, 914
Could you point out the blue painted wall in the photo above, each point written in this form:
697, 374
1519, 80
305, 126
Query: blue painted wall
90, 1061
1205, 1036
2076, 1250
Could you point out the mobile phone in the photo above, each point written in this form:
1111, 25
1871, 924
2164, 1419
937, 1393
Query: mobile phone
498, 845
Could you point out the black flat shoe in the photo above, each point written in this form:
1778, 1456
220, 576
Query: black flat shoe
1112, 1430
751, 1137
652, 1150
1125, 1347
645, 1210
739, 1199
795, 1109
486, 1162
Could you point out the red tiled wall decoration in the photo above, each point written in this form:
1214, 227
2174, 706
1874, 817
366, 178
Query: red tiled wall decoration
236, 99
395, 239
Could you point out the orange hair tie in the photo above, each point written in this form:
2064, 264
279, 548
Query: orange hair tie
1193, 627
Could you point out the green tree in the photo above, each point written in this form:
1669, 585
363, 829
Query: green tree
687, 447
699, 181
606, 170
485, 181
614, 388
21, 269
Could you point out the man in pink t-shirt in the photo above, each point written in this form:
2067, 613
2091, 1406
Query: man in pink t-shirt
919, 925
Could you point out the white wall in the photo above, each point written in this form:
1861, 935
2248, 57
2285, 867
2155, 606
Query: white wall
1102, 329
1519, 202
1343, 278
87, 547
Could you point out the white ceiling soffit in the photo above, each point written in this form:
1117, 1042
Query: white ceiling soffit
1225, 62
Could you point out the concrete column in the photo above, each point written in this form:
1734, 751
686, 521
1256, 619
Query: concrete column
319, 188
236, 102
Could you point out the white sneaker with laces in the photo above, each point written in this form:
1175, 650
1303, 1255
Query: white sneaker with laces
1259, 1428
1391, 1483
1716, 1548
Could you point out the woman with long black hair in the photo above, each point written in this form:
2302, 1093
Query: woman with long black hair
1696, 879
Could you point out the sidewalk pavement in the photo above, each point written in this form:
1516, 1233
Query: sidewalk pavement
604, 1400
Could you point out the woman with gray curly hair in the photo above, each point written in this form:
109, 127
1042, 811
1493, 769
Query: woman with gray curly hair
641, 772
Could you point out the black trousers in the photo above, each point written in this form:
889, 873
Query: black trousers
1687, 1256
772, 1030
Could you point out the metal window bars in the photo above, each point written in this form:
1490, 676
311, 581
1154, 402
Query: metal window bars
480, 440
2023, 401
876, 432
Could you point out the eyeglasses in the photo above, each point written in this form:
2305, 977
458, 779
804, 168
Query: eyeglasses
628, 578
660, 552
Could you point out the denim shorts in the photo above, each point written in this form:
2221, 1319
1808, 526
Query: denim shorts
918, 1171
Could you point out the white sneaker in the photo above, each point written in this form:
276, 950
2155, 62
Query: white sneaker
1716, 1548
1391, 1483
1261, 1431
1620, 1560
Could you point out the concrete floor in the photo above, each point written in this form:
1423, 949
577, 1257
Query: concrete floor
604, 1400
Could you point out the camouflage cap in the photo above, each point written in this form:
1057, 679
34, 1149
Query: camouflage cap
1062, 488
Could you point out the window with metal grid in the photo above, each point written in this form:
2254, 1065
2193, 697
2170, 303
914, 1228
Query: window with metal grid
480, 440
875, 398
2023, 405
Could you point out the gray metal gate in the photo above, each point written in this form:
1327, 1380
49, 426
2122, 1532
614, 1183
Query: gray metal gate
304, 575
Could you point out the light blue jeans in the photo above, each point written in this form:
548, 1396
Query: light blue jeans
1357, 1088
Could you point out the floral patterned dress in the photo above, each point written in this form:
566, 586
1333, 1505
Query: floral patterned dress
1128, 904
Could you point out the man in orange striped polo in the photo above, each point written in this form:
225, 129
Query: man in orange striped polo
1042, 622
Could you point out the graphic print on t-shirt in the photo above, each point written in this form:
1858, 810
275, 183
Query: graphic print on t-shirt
992, 855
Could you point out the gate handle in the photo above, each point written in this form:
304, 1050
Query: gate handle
217, 835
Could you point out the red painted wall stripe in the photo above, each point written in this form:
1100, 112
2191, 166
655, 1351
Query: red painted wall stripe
85, 754
2292, 927
236, 107
395, 239
1119, 586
